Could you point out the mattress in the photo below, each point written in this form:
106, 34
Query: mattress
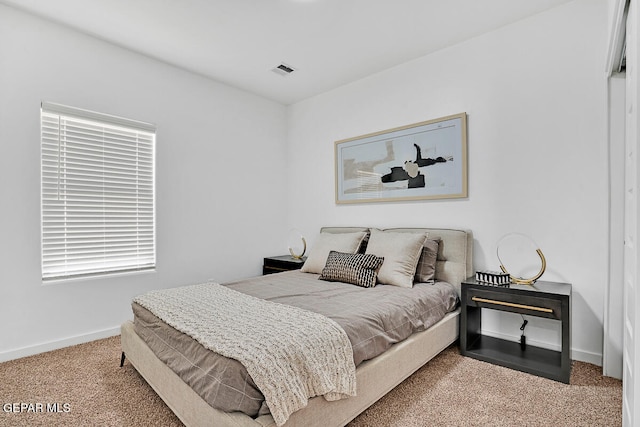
373, 318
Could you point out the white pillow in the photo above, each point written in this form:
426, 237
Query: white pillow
401, 252
326, 242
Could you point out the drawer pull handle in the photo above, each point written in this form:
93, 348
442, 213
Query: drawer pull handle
511, 304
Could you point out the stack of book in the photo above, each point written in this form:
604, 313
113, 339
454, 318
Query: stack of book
493, 277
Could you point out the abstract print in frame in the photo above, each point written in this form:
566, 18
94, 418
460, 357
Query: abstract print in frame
426, 160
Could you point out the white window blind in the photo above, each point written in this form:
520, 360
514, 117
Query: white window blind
97, 193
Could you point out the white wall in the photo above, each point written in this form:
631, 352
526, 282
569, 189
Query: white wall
220, 168
535, 97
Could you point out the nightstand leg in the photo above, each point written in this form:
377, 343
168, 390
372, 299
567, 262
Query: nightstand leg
565, 354
474, 325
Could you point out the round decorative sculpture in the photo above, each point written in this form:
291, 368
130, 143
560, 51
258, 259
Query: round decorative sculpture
513, 245
296, 251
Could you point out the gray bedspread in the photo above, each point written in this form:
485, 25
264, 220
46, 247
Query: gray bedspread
373, 318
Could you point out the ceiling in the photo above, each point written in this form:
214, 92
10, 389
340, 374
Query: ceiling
329, 43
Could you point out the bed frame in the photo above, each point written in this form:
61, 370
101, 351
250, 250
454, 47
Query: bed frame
375, 377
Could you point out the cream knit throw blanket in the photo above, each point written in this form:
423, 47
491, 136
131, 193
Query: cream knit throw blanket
292, 354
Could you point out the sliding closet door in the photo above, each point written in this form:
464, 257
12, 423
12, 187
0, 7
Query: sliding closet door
631, 357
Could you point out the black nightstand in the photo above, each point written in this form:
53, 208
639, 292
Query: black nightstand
542, 299
277, 264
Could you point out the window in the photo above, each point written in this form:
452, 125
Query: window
97, 193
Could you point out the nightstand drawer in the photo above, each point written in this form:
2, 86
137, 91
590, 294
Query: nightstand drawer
515, 303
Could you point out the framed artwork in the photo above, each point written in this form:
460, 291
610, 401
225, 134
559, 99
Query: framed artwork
426, 160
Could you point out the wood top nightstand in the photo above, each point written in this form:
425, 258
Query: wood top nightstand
277, 264
542, 299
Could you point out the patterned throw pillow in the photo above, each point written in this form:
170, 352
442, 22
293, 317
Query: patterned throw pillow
357, 269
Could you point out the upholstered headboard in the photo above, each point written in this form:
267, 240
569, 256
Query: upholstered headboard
455, 251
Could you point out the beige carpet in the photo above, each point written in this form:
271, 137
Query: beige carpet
92, 390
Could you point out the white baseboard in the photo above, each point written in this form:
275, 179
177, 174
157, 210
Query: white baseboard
579, 355
55, 345
586, 356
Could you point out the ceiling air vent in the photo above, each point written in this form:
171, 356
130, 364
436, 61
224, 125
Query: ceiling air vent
283, 69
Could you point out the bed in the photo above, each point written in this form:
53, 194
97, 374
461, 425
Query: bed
374, 376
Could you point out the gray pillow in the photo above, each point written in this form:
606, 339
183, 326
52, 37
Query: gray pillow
326, 242
401, 252
426, 269
357, 269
